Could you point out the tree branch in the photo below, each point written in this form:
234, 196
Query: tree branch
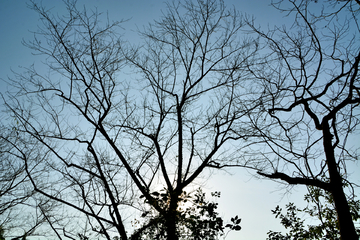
297, 180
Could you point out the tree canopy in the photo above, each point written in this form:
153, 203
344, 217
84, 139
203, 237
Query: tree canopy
311, 89
92, 141
110, 139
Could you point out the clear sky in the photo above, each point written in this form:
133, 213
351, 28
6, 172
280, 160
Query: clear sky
241, 194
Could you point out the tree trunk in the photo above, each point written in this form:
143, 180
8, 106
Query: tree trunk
171, 218
346, 224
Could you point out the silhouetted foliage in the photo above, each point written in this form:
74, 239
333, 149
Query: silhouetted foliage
320, 208
196, 217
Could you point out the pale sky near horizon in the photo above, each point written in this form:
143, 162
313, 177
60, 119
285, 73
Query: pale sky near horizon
241, 194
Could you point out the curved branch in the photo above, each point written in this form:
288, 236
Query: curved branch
297, 180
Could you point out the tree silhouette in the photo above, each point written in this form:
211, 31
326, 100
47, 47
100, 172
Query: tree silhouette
94, 139
310, 83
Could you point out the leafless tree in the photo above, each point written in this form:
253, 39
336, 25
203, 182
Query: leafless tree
18, 201
12, 174
95, 138
310, 81
192, 70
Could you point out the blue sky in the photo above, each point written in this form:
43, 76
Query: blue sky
17, 22
241, 194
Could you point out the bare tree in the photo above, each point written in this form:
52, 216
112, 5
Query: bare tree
12, 174
94, 141
21, 210
310, 83
192, 68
